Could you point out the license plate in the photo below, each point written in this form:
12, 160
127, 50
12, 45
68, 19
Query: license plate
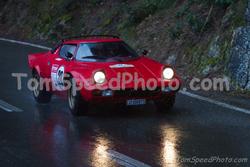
136, 102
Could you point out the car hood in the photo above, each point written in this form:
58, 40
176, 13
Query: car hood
142, 68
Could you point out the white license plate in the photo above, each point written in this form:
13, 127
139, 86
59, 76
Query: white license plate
136, 102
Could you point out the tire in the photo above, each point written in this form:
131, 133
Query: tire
166, 104
41, 96
77, 105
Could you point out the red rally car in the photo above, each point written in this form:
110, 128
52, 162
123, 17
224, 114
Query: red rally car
102, 69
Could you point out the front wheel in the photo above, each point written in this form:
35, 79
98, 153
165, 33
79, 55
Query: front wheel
40, 94
77, 105
166, 104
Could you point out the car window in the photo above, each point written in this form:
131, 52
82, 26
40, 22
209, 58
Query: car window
67, 48
83, 51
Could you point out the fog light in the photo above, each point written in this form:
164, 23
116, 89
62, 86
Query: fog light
107, 93
167, 90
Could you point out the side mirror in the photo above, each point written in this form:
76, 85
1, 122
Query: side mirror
53, 50
145, 52
69, 56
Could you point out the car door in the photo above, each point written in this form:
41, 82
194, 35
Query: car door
51, 55
59, 63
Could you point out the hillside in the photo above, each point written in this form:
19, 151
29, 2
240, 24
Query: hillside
193, 35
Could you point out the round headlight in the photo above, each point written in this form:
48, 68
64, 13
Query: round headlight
168, 73
99, 77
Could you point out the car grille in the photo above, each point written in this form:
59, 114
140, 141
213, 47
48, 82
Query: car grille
137, 93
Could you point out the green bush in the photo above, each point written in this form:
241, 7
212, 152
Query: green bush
183, 10
143, 8
94, 3
195, 22
176, 31
221, 3
224, 2
185, 7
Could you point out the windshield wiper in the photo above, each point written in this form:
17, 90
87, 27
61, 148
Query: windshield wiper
93, 57
122, 56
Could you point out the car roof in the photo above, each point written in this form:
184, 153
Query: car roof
91, 39
77, 41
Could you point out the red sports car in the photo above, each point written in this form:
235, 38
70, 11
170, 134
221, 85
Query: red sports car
102, 69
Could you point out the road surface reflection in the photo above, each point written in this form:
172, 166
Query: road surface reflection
63, 140
100, 156
169, 153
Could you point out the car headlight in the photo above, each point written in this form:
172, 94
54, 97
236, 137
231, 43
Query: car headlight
99, 77
168, 73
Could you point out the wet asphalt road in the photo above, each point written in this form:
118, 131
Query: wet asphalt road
47, 135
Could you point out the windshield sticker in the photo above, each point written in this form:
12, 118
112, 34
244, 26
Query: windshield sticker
122, 66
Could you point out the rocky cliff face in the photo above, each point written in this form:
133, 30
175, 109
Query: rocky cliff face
239, 64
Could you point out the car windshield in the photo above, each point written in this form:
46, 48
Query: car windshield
104, 50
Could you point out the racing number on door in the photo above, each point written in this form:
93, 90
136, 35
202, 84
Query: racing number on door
57, 75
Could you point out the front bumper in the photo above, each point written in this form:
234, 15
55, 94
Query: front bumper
106, 94
120, 96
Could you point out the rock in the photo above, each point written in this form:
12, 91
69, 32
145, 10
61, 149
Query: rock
226, 20
171, 60
247, 14
206, 70
239, 63
214, 49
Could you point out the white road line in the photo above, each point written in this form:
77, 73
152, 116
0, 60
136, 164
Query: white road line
25, 43
225, 105
124, 160
5, 109
9, 108
221, 104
